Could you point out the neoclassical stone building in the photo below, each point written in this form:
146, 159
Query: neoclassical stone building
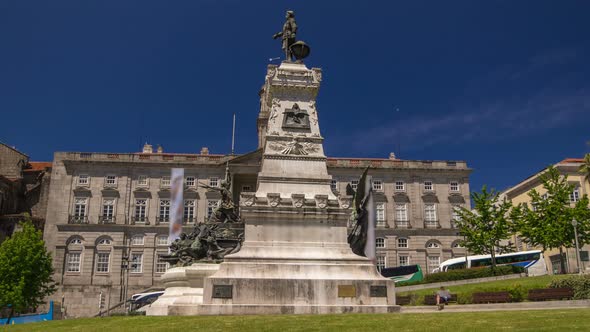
107, 219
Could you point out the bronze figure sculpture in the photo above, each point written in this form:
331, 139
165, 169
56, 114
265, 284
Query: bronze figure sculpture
291, 47
357, 239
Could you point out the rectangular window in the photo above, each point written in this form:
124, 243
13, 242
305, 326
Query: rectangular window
80, 207
400, 186
214, 181
575, 195
83, 180
334, 185
454, 186
108, 209
142, 181
247, 188
402, 243
404, 260
73, 263
377, 185
380, 242
380, 263
430, 213
455, 215
162, 240
189, 210
190, 181
428, 186
433, 263
140, 210
110, 180
102, 262
211, 206
136, 263
380, 217
401, 213
164, 215
137, 240
161, 267
354, 184
165, 181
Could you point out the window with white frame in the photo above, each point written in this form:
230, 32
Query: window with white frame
102, 262
430, 213
164, 214
380, 217
80, 207
354, 184
380, 242
165, 181
104, 242
456, 244
137, 240
190, 181
402, 242
73, 262
401, 212
377, 185
136, 263
400, 186
214, 181
455, 216
189, 209
454, 186
140, 209
108, 209
380, 263
142, 180
575, 195
83, 180
211, 206
75, 241
433, 263
247, 188
161, 266
110, 180
403, 260
334, 185
432, 245
428, 186
162, 240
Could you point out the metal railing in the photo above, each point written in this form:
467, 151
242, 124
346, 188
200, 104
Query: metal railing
140, 220
73, 219
107, 219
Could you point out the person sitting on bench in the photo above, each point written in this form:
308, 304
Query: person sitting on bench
442, 297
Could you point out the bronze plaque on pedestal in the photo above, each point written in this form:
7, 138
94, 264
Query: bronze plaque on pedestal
346, 291
378, 291
222, 291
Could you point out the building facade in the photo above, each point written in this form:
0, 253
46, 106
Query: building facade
519, 194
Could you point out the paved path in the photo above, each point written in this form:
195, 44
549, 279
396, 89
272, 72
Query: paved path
544, 305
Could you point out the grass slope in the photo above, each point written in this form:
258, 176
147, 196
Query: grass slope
550, 320
465, 291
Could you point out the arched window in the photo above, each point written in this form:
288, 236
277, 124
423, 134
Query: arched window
433, 245
104, 242
456, 244
75, 241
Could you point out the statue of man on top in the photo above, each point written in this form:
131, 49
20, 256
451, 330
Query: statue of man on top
288, 34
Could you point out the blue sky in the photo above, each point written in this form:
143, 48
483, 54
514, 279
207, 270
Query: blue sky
504, 85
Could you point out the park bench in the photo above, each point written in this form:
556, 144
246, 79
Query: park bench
491, 297
431, 299
550, 294
403, 300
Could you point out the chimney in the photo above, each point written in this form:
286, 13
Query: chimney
147, 148
392, 156
204, 150
160, 149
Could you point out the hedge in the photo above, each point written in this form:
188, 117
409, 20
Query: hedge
464, 274
579, 283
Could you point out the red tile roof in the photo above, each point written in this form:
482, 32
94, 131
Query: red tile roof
38, 166
571, 160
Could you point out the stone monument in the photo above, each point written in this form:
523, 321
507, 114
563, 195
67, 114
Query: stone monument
295, 258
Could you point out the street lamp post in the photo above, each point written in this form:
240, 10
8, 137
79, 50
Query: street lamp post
575, 224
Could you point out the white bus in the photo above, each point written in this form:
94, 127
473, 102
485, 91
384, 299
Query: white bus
532, 261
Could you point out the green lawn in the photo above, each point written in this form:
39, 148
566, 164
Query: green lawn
550, 320
464, 291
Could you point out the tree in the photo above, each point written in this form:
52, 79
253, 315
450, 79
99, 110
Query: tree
25, 270
487, 225
585, 167
548, 221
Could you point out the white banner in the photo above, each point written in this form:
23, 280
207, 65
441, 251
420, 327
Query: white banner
176, 203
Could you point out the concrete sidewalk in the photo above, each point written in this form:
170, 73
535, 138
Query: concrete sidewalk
544, 305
